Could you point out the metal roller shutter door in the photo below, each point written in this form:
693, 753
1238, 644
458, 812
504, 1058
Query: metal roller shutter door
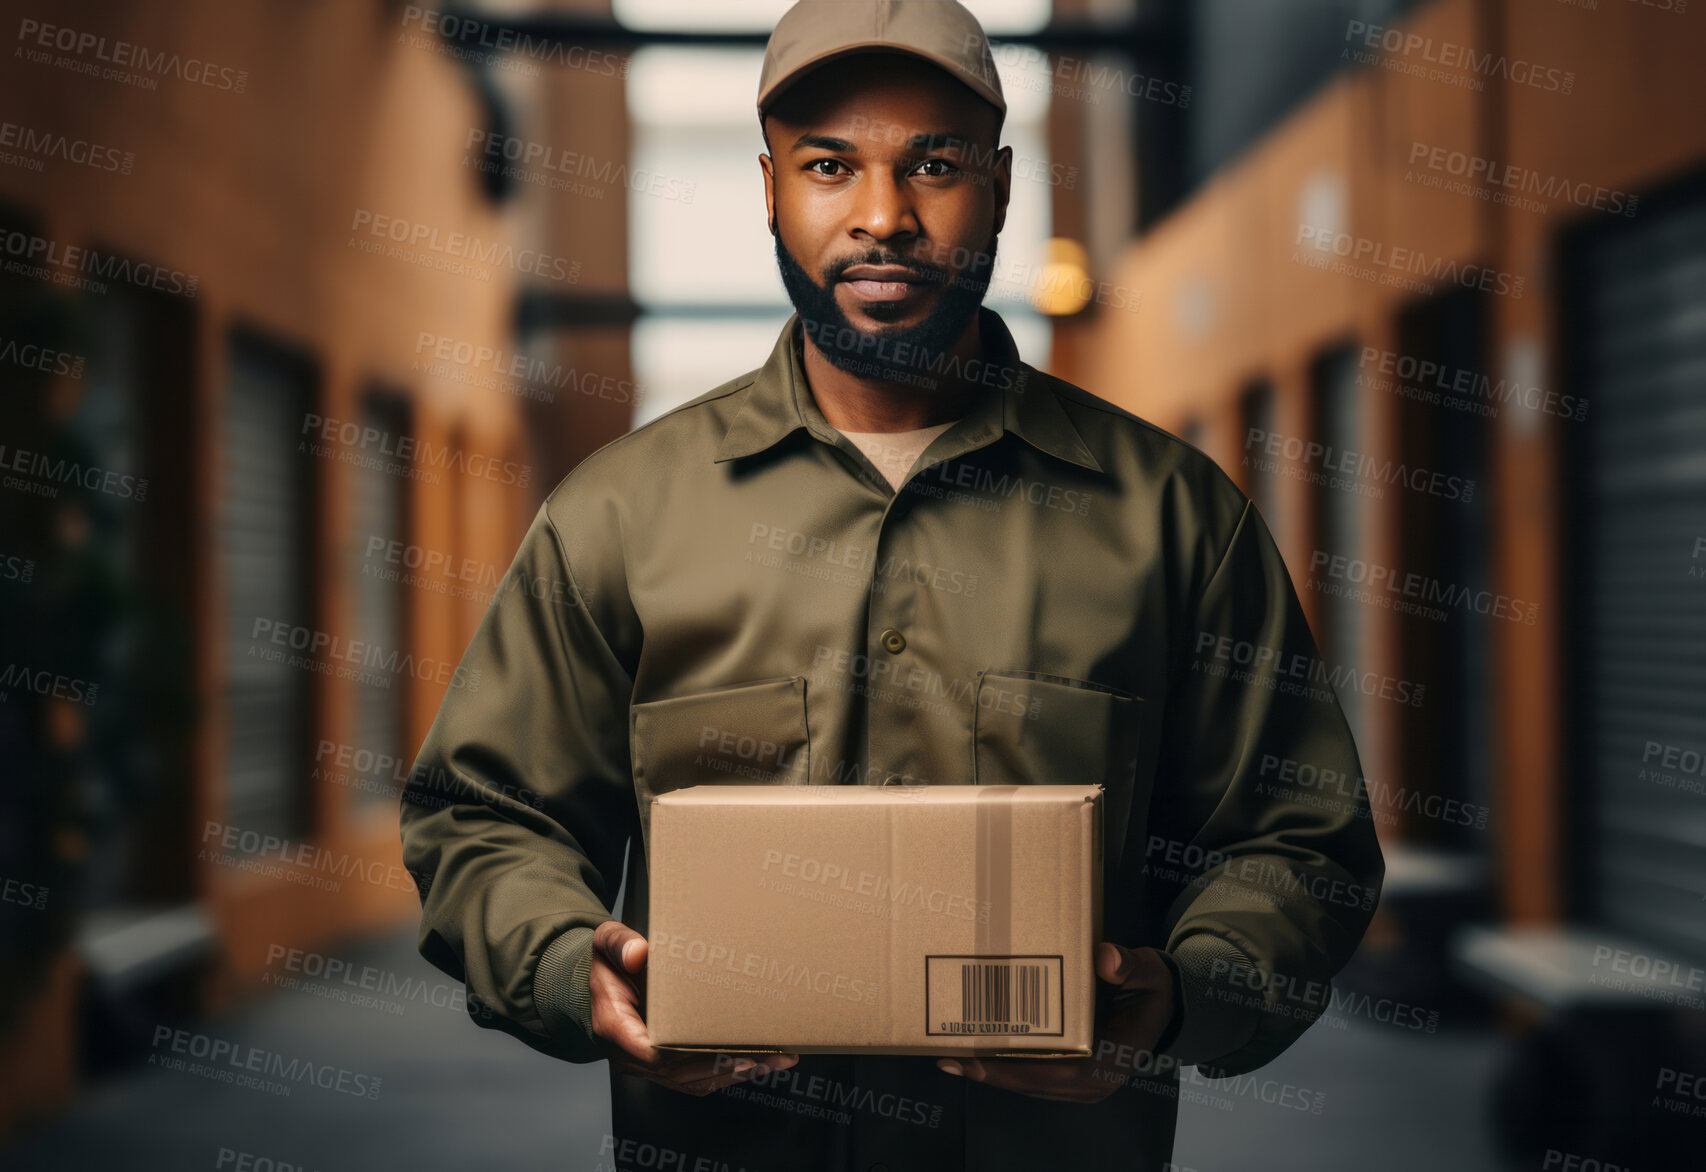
264, 553
1642, 353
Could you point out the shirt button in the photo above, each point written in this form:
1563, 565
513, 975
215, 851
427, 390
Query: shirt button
893, 641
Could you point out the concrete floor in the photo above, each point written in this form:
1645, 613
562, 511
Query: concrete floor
453, 1096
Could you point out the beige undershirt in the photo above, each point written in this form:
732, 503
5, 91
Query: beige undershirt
894, 452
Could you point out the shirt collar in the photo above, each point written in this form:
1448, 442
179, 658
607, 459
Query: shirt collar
779, 402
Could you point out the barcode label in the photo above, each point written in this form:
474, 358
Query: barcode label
1004, 992
993, 994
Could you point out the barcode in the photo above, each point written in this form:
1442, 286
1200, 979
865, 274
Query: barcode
1005, 993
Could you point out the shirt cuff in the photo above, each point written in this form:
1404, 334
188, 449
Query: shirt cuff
562, 989
1215, 1008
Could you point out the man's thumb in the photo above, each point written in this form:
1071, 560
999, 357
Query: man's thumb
1113, 962
622, 947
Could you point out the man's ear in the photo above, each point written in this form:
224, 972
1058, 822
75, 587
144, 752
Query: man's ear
1003, 185
766, 165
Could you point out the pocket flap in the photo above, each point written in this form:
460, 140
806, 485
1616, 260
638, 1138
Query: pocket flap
1035, 729
752, 733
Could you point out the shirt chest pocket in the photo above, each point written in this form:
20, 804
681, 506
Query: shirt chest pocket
751, 733
1036, 729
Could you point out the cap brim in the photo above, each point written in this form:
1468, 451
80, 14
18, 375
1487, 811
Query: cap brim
784, 84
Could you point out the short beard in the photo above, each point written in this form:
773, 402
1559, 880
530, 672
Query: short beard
904, 354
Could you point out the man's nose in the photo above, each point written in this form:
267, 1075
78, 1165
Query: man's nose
883, 207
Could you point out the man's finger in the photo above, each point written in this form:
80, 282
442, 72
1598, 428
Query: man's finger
617, 1020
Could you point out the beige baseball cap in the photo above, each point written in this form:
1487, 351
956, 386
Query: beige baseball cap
942, 32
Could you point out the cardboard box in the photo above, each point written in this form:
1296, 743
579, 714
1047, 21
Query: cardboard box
935, 920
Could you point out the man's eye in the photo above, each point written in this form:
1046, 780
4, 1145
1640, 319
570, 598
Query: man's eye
947, 168
816, 163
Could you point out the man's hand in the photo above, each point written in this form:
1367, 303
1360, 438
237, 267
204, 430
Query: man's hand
619, 1025
1143, 1007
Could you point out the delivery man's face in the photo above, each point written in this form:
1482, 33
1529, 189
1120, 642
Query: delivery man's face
886, 193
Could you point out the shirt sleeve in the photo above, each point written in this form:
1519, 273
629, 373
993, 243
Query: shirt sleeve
1278, 879
520, 804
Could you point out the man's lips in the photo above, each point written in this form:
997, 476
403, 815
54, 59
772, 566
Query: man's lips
882, 282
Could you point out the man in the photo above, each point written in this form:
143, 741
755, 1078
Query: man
895, 552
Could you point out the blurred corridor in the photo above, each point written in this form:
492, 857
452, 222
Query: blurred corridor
304, 308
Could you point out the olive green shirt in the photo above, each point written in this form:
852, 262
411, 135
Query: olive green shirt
1060, 592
